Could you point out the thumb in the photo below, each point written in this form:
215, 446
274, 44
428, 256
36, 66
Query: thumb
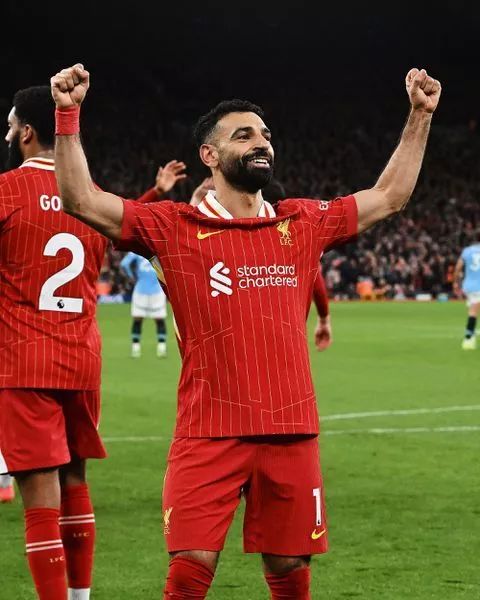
418, 79
410, 75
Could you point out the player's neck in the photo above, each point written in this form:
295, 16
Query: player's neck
241, 205
36, 151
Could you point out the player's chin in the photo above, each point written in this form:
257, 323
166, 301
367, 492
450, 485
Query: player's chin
260, 175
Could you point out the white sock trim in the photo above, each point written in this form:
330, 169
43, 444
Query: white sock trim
78, 593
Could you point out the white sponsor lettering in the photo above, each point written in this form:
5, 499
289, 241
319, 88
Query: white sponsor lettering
254, 276
261, 276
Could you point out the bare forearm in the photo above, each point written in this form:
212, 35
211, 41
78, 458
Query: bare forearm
80, 198
399, 177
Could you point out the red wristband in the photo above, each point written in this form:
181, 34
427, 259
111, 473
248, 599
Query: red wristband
67, 120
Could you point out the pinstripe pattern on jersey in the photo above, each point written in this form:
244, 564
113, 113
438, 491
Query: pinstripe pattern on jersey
245, 368
44, 348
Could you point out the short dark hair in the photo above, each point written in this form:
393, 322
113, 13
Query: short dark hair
34, 106
207, 123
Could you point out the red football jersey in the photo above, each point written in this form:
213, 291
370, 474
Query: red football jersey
240, 290
49, 266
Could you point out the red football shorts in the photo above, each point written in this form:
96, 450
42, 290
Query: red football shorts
47, 428
279, 478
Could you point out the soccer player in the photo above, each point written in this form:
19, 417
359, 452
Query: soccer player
50, 359
240, 275
467, 270
148, 301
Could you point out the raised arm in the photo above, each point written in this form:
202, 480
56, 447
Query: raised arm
395, 185
101, 210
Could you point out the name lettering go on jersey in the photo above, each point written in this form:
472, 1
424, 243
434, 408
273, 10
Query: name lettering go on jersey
49, 266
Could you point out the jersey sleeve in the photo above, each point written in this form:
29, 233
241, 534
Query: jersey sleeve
146, 226
336, 221
150, 195
464, 254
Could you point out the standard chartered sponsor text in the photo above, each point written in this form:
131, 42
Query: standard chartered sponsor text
259, 276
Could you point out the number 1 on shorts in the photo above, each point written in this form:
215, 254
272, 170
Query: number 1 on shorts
318, 506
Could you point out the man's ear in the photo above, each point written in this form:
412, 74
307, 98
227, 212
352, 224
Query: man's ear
209, 155
26, 134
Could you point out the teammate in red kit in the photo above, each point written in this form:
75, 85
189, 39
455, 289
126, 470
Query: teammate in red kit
240, 276
49, 354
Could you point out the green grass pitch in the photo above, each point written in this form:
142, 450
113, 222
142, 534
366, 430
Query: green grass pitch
402, 488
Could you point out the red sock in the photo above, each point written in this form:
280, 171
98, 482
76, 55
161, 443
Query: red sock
77, 526
292, 586
45, 554
187, 579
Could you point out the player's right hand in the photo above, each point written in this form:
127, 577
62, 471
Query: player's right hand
70, 86
424, 91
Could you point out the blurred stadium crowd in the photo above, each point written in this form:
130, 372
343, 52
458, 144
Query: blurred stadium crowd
325, 147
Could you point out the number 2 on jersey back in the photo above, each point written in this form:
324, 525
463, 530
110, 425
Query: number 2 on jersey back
47, 299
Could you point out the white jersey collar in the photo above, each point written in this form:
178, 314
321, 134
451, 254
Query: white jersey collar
39, 162
212, 208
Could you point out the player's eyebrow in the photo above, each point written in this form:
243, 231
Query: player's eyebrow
248, 129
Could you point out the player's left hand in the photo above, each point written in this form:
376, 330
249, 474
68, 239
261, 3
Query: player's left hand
169, 175
70, 86
424, 91
323, 333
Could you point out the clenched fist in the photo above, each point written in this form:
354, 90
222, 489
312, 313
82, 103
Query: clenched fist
70, 86
423, 91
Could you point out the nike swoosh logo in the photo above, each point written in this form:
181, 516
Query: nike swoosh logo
316, 536
202, 236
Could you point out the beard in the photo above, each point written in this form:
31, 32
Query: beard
244, 175
15, 156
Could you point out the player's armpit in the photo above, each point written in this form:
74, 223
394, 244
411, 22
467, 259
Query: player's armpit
373, 205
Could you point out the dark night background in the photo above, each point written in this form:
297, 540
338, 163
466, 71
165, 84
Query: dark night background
330, 76
317, 47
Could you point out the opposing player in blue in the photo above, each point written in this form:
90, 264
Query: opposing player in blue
467, 270
148, 301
